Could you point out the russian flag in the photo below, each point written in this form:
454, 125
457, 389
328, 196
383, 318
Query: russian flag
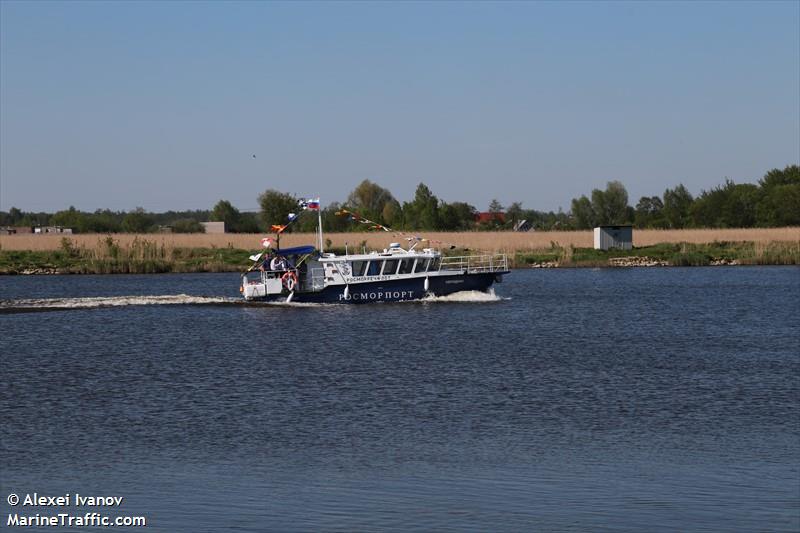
313, 204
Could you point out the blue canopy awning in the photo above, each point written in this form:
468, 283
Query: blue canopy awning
297, 250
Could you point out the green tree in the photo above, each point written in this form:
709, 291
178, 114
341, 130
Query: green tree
332, 222
779, 204
369, 200
648, 212
224, 211
583, 213
14, 216
456, 216
248, 223
740, 207
104, 221
726, 206
551, 220
423, 212
137, 221
775, 177
677, 207
276, 206
611, 206
67, 218
392, 214
187, 225
70, 218
515, 213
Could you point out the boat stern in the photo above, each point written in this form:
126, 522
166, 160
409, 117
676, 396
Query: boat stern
261, 288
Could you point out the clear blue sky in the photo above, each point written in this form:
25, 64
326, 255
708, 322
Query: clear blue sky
162, 105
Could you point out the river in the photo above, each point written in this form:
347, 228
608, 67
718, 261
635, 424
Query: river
572, 399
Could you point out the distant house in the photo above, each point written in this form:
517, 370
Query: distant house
487, 217
523, 225
51, 229
14, 230
214, 227
613, 237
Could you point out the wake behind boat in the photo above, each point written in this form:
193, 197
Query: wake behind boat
308, 274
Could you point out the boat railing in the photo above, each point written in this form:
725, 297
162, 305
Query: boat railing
476, 263
317, 279
273, 274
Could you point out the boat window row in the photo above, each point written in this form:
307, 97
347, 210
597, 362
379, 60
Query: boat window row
378, 267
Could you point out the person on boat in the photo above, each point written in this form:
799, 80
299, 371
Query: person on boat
266, 262
278, 263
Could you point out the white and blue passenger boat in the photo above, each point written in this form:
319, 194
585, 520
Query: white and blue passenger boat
308, 274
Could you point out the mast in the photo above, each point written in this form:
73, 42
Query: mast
319, 219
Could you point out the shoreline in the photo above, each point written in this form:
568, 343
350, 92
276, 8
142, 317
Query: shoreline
145, 257
57, 272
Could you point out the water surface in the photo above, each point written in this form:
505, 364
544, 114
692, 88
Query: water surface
609, 399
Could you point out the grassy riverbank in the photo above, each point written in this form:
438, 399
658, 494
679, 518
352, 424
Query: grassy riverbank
665, 254
139, 255
109, 256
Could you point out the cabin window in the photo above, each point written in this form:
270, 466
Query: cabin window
422, 264
406, 266
359, 267
389, 267
374, 268
435, 264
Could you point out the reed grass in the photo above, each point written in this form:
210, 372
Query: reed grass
505, 241
223, 253
110, 255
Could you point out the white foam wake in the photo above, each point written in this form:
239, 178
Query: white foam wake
111, 301
46, 304
467, 296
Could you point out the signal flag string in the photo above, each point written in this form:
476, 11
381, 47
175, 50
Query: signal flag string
376, 226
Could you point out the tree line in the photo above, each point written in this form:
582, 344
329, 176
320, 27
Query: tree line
107, 221
773, 202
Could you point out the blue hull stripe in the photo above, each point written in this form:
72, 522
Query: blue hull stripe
396, 290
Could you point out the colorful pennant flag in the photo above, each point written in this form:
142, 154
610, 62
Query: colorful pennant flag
312, 204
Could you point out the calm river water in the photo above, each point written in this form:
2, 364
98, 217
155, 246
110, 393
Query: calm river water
610, 399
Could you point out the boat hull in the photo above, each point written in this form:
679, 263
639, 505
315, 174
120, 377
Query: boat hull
397, 290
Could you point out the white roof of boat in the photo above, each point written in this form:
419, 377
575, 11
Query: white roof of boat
398, 253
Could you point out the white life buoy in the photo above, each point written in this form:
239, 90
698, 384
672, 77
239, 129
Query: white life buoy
289, 281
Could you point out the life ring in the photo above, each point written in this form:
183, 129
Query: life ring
289, 281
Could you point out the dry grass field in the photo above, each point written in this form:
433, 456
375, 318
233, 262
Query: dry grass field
489, 241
